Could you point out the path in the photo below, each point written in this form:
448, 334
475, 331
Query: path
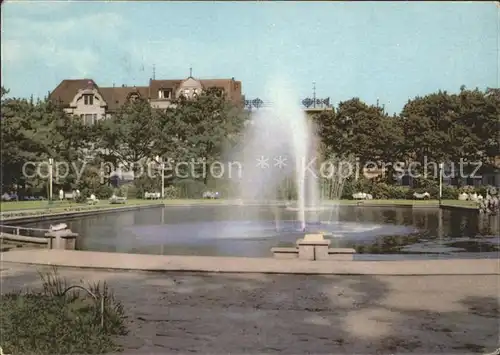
256, 313
146, 262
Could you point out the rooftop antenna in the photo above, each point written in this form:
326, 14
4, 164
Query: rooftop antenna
154, 72
190, 72
314, 94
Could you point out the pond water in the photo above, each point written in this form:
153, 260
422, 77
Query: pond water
375, 232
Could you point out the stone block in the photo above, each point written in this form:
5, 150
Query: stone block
321, 252
306, 252
313, 238
62, 239
346, 254
285, 253
341, 257
313, 247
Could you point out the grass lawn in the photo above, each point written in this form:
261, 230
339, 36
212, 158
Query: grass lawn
60, 206
66, 205
411, 202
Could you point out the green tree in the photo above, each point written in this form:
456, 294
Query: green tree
18, 141
129, 136
201, 129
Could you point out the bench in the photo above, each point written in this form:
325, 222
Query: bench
152, 195
116, 200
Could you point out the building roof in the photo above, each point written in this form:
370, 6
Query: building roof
67, 89
117, 96
155, 85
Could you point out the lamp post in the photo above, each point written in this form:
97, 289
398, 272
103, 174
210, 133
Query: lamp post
162, 167
51, 162
440, 182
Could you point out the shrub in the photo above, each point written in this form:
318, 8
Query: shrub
133, 192
352, 186
50, 322
483, 190
450, 193
103, 192
171, 192
466, 189
422, 185
398, 192
188, 188
81, 198
348, 190
381, 191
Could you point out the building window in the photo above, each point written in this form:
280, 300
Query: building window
88, 99
165, 93
89, 119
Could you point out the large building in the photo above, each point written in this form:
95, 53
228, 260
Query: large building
84, 98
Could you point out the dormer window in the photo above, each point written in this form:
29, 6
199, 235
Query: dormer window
88, 99
165, 93
133, 97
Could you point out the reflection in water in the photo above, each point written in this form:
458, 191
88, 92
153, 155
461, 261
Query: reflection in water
191, 231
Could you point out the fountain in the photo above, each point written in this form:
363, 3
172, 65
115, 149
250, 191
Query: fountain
280, 148
279, 155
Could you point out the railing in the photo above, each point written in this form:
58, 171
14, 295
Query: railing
24, 231
18, 234
307, 103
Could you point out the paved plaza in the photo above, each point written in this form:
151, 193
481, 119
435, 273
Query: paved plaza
181, 312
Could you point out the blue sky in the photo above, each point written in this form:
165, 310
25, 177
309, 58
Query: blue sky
386, 50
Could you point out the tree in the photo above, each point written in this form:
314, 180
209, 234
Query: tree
131, 135
356, 128
18, 144
429, 129
202, 128
444, 127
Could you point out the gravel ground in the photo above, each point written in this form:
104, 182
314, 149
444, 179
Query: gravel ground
295, 314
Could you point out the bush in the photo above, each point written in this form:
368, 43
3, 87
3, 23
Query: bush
384, 191
123, 190
81, 198
103, 192
145, 184
352, 186
50, 322
171, 192
188, 188
133, 192
397, 192
466, 189
422, 185
450, 193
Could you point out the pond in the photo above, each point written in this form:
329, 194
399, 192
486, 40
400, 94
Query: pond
251, 231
